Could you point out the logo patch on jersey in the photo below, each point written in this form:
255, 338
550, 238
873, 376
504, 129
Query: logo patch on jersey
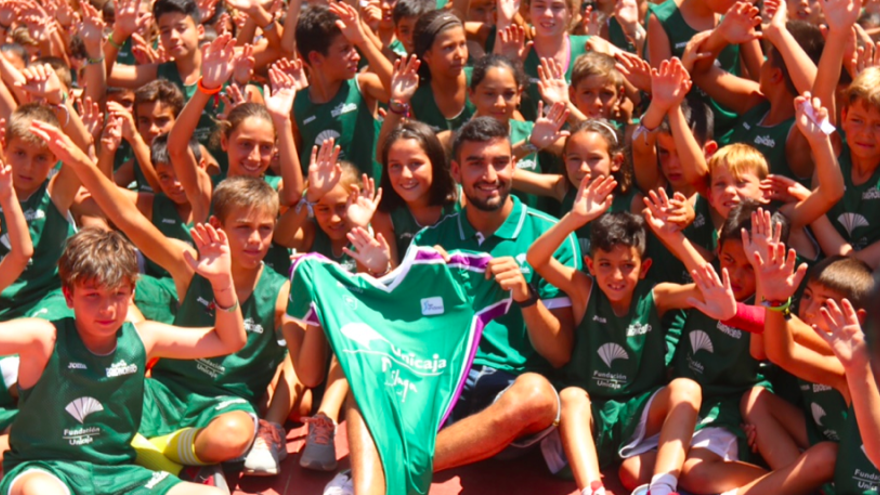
250, 326
700, 340
872, 193
729, 331
76, 366
80, 409
343, 108
310, 119
155, 479
766, 141
169, 221
210, 368
818, 413
432, 306
524, 164
31, 215
746, 126
852, 221
523, 264
699, 221
362, 333
230, 402
324, 135
636, 329
817, 387
121, 368
866, 481
610, 352
599, 319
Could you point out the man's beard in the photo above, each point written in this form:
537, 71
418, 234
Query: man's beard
490, 205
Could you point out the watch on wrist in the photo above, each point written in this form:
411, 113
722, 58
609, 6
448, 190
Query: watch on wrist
533, 297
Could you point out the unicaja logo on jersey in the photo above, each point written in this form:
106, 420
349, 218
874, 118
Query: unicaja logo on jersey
523, 264
636, 329
80, 409
252, 327
766, 141
76, 366
852, 221
872, 193
432, 306
700, 340
343, 108
610, 352
121, 368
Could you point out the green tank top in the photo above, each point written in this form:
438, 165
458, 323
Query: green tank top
620, 202
49, 230
168, 71
617, 37
246, 373
348, 119
168, 221
84, 407
679, 33
521, 131
825, 410
769, 140
857, 215
618, 356
716, 356
324, 246
425, 109
397, 47
406, 225
854, 474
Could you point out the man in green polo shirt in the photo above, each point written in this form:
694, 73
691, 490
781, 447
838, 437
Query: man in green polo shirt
506, 404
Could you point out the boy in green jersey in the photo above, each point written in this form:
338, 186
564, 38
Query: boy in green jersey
340, 102
405, 15
200, 413
620, 322
81, 378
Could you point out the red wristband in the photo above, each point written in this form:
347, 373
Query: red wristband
749, 318
207, 91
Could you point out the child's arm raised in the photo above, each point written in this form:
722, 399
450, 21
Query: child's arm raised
20, 246
217, 67
709, 294
404, 83
228, 335
551, 185
672, 85
378, 87
126, 22
139, 147
668, 232
593, 199
279, 103
91, 31
547, 132
840, 16
554, 88
798, 64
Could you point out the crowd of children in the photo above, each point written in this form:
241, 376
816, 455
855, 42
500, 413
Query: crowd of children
656, 215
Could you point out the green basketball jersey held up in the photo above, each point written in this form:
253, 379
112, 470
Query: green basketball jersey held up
168, 221
84, 407
769, 140
857, 215
424, 107
679, 33
505, 344
825, 410
406, 226
716, 356
854, 474
244, 374
405, 342
49, 229
348, 119
619, 202
618, 356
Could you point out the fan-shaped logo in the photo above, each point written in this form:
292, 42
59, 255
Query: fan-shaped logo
852, 221
324, 135
361, 333
818, 413
82, 407
700, 340
610, 352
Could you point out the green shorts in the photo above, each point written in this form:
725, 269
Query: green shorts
52, 307
156, 298
169, 406
619, 424
86, 478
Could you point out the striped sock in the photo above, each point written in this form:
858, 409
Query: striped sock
151, 457
180, 446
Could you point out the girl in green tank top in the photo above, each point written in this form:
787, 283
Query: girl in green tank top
417, 186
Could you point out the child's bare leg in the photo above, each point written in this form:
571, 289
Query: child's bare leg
637, 470
335, 392
226, 437
705, 473
366, 466
575, 428
780, 426
673, 414
289, 392
38, 483
811, 470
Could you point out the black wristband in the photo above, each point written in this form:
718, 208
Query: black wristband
533, 297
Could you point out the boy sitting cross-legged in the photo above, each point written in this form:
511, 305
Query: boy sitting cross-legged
81, 379
621, 323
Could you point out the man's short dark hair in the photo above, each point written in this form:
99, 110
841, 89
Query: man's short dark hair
478, 130
316, 30
185, 7
618, 229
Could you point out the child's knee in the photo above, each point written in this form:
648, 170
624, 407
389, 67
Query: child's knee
685, 391
574, 397
635, 471
38, 483
232, 433
821, 460
697, 472
754, 403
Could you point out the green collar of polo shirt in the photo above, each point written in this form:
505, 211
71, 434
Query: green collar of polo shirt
508, 230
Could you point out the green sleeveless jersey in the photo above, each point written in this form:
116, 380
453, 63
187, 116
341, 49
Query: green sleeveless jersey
405, 345
854, 474
769, 140
679, 33
49, 229
406, 226
522, 131
169, 72
857, 215
424, 107
619, 202
505, 344
324, 246
617, 37
84, 407
825, 410
618, 356
716, 356
348, 119
168, 221
244, 374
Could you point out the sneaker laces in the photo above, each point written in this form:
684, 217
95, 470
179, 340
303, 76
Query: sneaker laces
268, 434
320, 429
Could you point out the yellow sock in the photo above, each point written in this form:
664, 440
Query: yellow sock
150, 457
180, 446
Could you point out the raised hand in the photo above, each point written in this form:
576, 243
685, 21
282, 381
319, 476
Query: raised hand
143, 52
785, 189
846, 337
59, 143
206, 8
551, 82
764, 235
324, 170
773, 17
547, 129
405, 79
92, 117
867, 56
373, 253
507, 9
349, 22
841, 15
692, 53
246, 6
657, 213
718, 301
681, 211
9, 12
280, 101
669, 84
627, 14
295, 70
812, 118
635, 69
126, 18
512, 43
244, 65
218, 62
91, 29
7, 190
776, 274
117, 111
215, 260
593, 198
592, 21
42, 82
362, 205
233, 96
111, 138
739, 23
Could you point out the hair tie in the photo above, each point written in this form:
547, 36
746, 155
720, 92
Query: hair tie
612, 130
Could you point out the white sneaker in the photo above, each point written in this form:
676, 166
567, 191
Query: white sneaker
341, 484
320, 450
268, 450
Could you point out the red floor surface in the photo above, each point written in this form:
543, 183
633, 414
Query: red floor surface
527, 475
